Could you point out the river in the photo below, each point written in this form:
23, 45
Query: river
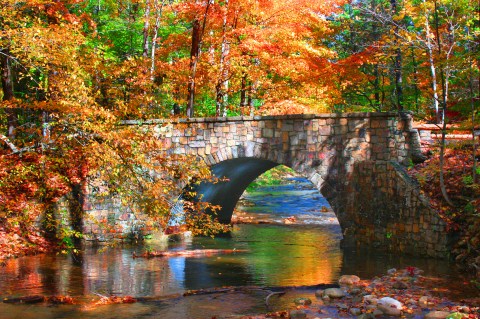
305, 254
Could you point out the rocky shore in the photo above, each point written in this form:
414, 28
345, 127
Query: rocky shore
402, 293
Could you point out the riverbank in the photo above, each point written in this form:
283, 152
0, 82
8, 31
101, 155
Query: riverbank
406, 293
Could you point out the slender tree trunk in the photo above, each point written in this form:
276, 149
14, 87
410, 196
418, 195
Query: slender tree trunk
146, 27
444, 110
472, 104
76, 200
222, 84
7, 87
474, 144
432, 65
194, 54
198, 31
243, 93
376, 84
397, 63
415, 80
158, 17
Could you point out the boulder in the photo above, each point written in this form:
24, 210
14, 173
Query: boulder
390, 306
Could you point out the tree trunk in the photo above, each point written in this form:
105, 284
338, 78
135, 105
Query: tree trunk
76, 200
432, 65
243, 93
415, 80
397, 63
376, 85
194, 54
7, 86
197, 36
222, 84
146, 27
444, 110
158, 17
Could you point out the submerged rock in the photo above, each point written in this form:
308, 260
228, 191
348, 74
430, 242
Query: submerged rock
355, 311
302, 301
319, 293
348, 280
400, 285
437, 315
334, 293
297, 314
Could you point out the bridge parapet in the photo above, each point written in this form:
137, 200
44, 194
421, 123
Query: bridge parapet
291, 140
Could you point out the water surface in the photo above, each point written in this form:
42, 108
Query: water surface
277, 255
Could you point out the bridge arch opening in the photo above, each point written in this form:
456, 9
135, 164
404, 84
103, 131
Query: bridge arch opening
238, 174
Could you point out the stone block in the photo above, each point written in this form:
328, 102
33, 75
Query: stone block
267, 132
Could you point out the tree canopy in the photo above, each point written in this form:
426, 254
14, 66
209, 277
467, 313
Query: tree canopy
72, 71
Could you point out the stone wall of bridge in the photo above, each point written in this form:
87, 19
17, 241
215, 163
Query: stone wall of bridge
356, 161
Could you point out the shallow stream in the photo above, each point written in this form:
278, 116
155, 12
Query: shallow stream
276, 255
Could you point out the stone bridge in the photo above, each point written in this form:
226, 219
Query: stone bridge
356, 160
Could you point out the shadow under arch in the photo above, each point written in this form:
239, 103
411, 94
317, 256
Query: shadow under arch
238, 174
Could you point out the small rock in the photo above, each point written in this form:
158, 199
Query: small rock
392, 271
423, 301
400, 285
366, 316
411, 302
355, 311
377, 313
357, 299
342, 306
348, 280
437, 315
334, 293
355, 291
326, 298
298, 314
371, 307
390, 306
302, 301
370, 299
464, 309
319, 293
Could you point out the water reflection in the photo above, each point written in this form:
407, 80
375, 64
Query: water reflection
277, 255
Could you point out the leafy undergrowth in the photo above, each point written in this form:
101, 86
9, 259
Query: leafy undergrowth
464, 192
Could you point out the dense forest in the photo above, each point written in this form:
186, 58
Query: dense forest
72, 70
